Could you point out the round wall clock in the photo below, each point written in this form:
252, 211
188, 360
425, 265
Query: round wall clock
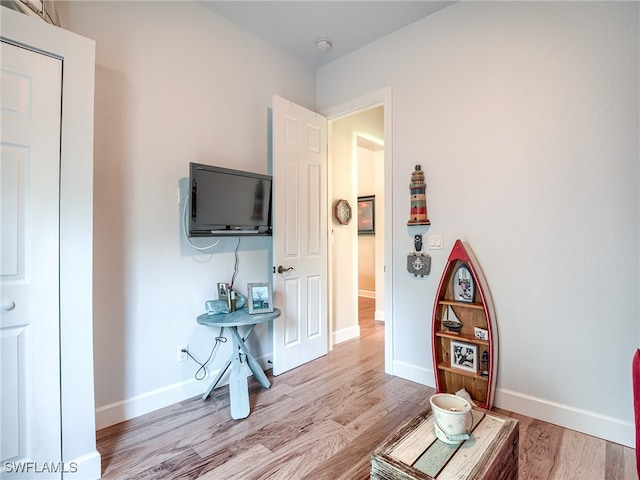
343, 212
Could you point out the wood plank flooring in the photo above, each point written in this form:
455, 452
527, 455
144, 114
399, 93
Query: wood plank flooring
322, 421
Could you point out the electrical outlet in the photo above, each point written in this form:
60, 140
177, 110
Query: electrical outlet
181, 356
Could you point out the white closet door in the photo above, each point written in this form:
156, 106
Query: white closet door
31, 86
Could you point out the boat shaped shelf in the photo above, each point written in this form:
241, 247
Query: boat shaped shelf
466, 358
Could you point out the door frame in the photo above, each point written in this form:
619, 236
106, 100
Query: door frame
382, 97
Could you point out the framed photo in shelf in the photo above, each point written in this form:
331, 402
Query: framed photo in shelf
464, 289
481, 333
260, 298
464, 356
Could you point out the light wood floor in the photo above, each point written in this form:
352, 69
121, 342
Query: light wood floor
322, 421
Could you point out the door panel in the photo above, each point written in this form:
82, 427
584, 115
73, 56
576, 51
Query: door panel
300, 334
291, 307
290, 217
314, 308
314, 239
12, 342
12, 178
31, 85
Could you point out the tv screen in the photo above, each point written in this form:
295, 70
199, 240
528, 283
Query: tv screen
228, 202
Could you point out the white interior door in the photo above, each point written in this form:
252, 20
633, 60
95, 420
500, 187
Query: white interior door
300, 334
31, 86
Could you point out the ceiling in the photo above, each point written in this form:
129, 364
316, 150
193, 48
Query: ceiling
296, 26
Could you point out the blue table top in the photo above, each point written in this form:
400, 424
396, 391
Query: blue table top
238, 318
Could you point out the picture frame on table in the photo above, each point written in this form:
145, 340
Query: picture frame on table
464, 356
259, 298
366, 214
463, 286
223, 291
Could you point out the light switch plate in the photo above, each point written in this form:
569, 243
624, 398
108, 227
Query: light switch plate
436, 242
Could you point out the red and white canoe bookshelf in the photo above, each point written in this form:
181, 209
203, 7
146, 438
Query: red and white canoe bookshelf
467, 359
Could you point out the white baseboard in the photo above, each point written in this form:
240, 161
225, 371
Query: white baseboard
414, 373
602, 426
346, 334
379, 315
366, 294
591, 423
86, 467
117, 412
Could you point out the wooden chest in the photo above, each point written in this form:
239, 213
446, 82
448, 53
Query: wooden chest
415, 452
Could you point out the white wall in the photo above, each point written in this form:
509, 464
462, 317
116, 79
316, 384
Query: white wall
524, 116
174, 83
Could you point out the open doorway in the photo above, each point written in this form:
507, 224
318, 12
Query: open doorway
356, 172
370, 218
370, 222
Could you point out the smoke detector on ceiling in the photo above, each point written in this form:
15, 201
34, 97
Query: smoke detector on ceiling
324, 45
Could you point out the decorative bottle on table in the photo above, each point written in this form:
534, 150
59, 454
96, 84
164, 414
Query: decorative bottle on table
418, 198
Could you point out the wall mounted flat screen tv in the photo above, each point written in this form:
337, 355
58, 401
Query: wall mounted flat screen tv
228, 202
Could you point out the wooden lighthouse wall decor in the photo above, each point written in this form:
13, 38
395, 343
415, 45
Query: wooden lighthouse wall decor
418, 189
464, 332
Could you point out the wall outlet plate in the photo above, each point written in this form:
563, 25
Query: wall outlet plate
180, 355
